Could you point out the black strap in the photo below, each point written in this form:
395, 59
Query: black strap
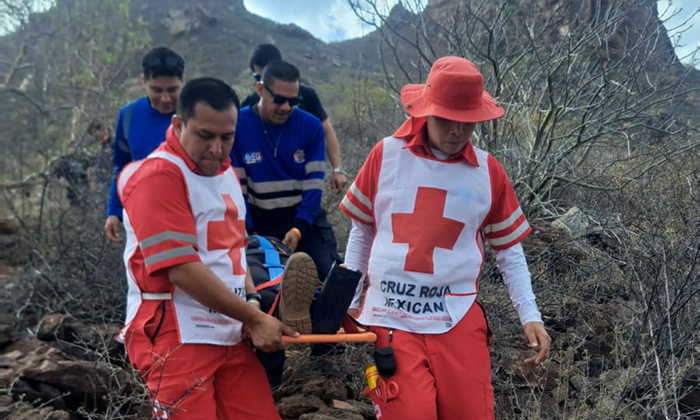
126, 120
160, 323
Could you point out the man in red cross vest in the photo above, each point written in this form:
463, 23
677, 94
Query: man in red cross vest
189, 283
422, 207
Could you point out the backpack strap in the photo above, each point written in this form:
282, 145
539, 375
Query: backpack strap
272, 259
123, 142
273, 253
126, 119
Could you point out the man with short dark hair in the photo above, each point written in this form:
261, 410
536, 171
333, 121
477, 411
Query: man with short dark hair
278, 156
142, 123
189, 283
263, 54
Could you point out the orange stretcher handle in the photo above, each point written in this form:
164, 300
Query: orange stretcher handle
364, 337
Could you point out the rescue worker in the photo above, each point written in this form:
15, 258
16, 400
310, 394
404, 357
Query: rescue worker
187, 314
422, 207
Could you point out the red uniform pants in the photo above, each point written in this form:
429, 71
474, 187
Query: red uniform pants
439, 376
197, 381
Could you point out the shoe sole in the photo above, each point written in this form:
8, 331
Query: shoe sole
299, 284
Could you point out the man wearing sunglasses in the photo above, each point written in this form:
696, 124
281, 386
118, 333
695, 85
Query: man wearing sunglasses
142, 123
309, 102
278, 155
279, 158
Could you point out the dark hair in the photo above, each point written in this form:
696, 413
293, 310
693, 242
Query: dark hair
213, 92
263, 54
279, 70
162, 61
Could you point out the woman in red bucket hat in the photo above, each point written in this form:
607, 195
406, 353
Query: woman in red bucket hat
422, 207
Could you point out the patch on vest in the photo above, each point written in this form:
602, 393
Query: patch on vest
252, 158
299, 156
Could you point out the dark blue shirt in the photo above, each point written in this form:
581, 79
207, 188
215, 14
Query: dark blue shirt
281, 169
145, 132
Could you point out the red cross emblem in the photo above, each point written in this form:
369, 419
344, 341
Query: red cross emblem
425, 229
228, 234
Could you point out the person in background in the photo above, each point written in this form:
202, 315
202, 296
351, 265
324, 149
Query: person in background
263, 54
422, 206
142, 123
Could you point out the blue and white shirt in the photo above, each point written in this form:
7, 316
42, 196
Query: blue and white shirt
281, 169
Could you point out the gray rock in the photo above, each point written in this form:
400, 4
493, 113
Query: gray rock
577, 382
47, 374
574, 222
295, 406
49, 327
326, 389
330, 414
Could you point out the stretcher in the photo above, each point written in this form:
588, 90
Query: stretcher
361, 337
350, 332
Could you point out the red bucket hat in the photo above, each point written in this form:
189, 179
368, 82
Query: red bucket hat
454, 91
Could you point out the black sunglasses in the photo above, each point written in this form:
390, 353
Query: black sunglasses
170, 62
279, 99
257, 76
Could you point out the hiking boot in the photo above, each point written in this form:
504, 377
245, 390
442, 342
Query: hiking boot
299, 284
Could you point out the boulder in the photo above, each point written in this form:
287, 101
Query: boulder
606, 230
330, 414
64, 332
42, 372
14, 410
295, 406
326, 389
574, 222
366, 409
49, 328
344, 405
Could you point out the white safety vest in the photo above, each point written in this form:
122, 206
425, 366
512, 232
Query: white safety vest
428, 250
195, 322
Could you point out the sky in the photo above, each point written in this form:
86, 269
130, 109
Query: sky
682, 21
334, 20
329, 20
